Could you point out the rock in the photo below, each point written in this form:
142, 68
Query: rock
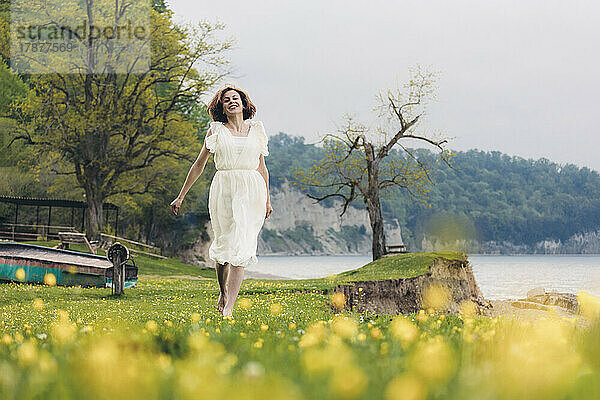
564, 300
529, 305
536, 292
400, 296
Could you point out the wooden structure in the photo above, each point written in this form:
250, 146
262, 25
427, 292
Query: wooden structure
29, 263
24, 231
149, 250
74, 237
30, 232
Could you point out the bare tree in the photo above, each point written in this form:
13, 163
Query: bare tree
357, 164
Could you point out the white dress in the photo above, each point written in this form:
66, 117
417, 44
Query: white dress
238, 193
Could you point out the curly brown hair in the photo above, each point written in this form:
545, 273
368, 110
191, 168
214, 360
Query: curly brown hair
215, 107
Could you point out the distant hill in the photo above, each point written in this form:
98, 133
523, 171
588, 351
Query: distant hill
490, 196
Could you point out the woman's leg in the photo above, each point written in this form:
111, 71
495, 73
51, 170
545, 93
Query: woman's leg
234, 282
222, 273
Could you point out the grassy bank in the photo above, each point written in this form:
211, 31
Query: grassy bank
165, 339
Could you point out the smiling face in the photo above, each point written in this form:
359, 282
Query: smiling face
232, 103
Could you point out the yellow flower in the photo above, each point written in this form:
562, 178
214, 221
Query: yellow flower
20, 274
275, 308
344, 326
405, 387
588, 304
404, 330
292, 325
436, 296
151, 326
422, 316
7, 339
244, 303
50, 279
468, 308
433, 360
376, 333
27, 353
63, 329
195, 317
315, 334
338, 300
264, 327
348, 383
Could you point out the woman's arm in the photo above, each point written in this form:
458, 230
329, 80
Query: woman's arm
262, 168
195, 171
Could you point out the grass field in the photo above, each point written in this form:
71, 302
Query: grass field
165, 340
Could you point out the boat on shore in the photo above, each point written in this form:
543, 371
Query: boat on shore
70, 268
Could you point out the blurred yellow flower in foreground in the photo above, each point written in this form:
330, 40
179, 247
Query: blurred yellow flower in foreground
468, 308
315, 334
20, 274
6, 339
151, 326
50, 279
63, 329
531, 361
27, 353
376, 333
344, 326
404, 330
348, 383
589, 304
433, 360
244, 303
405, 387
436, 296
275, 309
422, 316
195, 317
338, 300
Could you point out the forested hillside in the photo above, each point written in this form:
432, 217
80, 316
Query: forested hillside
493, 195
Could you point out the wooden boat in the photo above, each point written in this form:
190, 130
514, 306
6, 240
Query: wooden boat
70, 268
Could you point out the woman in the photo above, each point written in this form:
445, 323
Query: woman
238, 200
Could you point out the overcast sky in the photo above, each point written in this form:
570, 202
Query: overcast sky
521, 77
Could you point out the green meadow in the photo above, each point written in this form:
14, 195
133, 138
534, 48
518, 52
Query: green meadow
165, 339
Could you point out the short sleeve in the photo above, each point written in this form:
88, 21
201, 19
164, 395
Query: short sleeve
211, 140
263, 139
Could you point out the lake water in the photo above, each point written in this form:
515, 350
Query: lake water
498, 276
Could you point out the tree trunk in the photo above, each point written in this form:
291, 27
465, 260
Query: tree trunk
376, 219
94, 213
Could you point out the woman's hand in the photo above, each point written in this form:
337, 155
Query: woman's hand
269, 209
175, 204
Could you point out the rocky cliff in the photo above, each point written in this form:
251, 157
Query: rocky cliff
449, 286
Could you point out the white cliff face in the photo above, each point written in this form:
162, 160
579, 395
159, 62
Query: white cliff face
301, 225
292, 209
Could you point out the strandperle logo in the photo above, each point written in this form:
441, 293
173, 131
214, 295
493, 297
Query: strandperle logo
72, 36
82, 31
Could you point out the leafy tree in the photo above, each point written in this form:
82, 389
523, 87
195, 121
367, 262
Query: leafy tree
119, 134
